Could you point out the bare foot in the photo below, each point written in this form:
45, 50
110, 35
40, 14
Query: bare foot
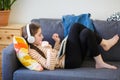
105, 65
107, 44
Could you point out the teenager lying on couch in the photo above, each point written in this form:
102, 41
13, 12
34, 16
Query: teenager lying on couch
79, 40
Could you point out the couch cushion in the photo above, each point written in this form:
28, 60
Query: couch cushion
50, 26
107, 29
83, 73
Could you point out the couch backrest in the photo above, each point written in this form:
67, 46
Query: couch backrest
104, 28
50, 26
107, 29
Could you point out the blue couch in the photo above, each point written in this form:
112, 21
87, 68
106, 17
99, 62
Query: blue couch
13, 70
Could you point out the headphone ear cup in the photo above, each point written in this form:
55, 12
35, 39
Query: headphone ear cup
31, 39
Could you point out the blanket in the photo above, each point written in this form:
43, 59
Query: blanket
69, 20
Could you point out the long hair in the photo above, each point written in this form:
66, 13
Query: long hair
38, 50
33, 30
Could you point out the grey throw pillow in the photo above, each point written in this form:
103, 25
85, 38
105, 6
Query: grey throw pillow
107, 29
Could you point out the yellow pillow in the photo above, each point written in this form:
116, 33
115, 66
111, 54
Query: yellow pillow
21, 48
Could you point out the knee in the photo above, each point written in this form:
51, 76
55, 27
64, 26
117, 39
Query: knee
86, 32
77, 26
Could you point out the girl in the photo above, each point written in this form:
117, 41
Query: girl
80, 40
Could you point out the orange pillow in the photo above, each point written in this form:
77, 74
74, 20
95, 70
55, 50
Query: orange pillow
21, 48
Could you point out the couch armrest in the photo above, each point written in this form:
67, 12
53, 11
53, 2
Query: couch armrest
9, 62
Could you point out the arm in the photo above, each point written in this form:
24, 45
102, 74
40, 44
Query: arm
49, 62
56, 38
57, 46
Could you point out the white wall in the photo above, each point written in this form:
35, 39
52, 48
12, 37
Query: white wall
25, 10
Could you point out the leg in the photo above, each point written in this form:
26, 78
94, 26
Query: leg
107, 44
73, 52
101, 64
91, 41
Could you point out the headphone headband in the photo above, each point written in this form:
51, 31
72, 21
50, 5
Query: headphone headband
28, 30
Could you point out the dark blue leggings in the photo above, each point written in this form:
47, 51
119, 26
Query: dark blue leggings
80, 40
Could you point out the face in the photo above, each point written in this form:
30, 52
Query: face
38, 37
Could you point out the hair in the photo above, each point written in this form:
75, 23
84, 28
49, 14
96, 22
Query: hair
33, 30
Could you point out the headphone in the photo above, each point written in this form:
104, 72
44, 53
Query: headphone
30, 38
